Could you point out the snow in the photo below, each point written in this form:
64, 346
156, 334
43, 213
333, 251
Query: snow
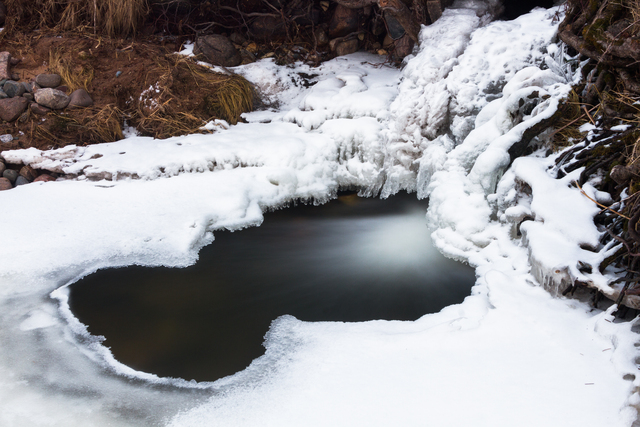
511, 353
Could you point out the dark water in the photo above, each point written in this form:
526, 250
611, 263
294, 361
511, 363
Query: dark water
350, 260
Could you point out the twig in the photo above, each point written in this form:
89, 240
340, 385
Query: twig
584, 107
600, 204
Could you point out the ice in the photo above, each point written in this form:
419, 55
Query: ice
512, 353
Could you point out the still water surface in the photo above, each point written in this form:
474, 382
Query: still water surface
350, 260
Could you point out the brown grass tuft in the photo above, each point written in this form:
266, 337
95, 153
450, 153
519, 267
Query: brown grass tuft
74, 75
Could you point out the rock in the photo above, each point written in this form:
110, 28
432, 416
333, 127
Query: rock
343, 22
44, 178
3, 167
10, 174
80, 98
63, 88
3, 95
268, 28
5, 184
5, 71
52, 98
237, 38
6, 138
344, 47
34, 87
15, 77
38, 109
218, 50
28, 172
28, 96
13, 88
48, 80
27, 87
321, 37
12, 108
21, 180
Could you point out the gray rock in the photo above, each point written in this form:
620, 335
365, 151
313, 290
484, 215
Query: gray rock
80, 98
52, 98
12, 108
13, 88
218, 50
27, 86
5, 184
38, 109
3, 95
10, 174
6, 138
48, 80
28, 96
21, 180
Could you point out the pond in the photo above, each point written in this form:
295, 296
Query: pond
350, 260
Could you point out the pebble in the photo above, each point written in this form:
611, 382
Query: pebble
28, 96
48, 80
52, 98
11, 175
21, 180
5, 184
118, 73
27, 86
44, 178
6, 138
80, 98
38, 109
13, 88
28, 172
63, 88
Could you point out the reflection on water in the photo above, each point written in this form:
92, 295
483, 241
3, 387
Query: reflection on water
350, 260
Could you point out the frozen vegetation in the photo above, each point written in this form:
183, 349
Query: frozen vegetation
512, 353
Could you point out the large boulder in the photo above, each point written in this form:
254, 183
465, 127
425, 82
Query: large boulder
12, 108
52, 98
217, 50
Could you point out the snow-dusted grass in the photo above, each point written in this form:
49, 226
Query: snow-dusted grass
510, 354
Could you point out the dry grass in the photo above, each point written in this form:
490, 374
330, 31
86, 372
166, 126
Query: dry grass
110, 17
74, 75
88, 125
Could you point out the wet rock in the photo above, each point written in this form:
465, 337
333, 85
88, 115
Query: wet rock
48, 80
343, 22
80, 98
5, 69
11, 175
13, 88
12, 108
44, 178
38, 109
28, 172
5, 184
218, 50
21, 180
52, 98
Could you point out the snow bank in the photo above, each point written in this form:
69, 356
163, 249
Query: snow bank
510, 354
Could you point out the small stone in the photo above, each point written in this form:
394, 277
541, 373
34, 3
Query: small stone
118, 73
6, 138
346, 47
52, 98
12, 108
48, 80
28, 172
28, 96
13, 88
44, 178
3, 95
10, 174
38, 109
3, 167
63, 88
5, 184
5, 59
21, 180
15, 77
34, 87
27, 86
80, 98
15, 61
237, 38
